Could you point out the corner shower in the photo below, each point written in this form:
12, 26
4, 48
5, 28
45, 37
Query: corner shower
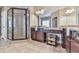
17, 23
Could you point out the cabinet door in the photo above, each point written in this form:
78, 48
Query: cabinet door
40, 36
33, 35
67, 44
74, 47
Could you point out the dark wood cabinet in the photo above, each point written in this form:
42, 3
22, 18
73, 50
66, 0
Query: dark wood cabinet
72, 45
67, 44
38, 35
33, 35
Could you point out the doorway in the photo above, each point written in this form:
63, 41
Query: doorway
17, 23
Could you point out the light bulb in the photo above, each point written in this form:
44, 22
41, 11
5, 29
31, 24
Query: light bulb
37, 12
71, 10
67, 11
42, 11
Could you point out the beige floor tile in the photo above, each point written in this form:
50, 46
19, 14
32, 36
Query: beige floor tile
28, 46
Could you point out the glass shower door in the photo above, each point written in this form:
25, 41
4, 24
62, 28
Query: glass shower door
9, 24
19, 23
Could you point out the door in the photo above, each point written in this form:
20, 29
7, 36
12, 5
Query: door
19, 23
9, 24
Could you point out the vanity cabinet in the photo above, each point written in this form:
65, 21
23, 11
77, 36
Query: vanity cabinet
72, 45
67, 44
38, 35
33, 35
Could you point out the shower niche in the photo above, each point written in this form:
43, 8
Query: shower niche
17, 23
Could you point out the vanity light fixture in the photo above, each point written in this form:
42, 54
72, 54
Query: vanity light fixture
69, 11
39, 12
36, 12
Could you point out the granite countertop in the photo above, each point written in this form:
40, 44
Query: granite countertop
46, 28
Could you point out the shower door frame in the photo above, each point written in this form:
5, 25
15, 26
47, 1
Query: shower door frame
13, 23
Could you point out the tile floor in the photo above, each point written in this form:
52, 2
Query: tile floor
28, 46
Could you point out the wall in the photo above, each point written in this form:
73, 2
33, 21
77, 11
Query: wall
4, 22
63, 19
67, 19
33, 18
55, 14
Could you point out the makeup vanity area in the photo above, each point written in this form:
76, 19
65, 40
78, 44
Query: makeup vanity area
70, 43
40, 34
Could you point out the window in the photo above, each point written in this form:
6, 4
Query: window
45, 22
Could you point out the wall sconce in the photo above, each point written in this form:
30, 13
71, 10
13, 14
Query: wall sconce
69, 11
